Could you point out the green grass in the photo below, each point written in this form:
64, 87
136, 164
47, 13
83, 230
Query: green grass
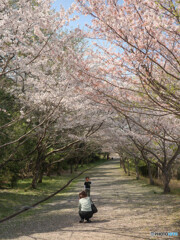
174, 184
13, 200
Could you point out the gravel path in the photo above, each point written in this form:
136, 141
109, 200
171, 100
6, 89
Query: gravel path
128, 210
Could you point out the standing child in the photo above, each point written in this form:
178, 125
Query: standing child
87, 186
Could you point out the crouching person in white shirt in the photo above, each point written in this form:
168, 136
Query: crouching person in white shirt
85, 210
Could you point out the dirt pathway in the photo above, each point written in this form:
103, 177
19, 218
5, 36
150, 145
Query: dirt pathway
127, 210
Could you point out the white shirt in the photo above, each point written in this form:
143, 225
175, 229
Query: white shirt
85, 204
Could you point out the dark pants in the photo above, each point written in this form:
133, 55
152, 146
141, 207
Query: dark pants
85, 215
87, 190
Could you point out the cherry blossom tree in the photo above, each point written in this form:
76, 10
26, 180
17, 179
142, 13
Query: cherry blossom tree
134, 69
155, 140
37, 61
29, 41
142, 49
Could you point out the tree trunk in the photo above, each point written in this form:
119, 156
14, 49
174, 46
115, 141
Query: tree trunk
42, 170
159, 173
151, 181
38, 168
120, 160
41, 176
124, 167
128, 168
166, 175
137, 170
35, 175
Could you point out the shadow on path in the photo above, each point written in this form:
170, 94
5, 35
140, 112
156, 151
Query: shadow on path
126, 210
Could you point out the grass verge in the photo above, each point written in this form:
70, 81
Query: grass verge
13, 200
174, 184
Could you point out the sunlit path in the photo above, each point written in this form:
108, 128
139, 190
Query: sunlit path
127, 210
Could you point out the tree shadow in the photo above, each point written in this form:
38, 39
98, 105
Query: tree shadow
60, 213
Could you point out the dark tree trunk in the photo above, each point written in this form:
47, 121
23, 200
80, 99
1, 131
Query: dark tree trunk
166, 176
124, 166
40, 176
38, 168
34, 181
137, 169
35, 177
36, 173
42, 171
159, 173
128, 168
151, 181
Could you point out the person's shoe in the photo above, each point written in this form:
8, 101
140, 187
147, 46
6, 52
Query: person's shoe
81, 221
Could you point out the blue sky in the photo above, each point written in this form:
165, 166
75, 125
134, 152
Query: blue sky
66, 4
82, 19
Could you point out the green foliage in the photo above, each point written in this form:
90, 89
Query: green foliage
144, 170
12, 156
